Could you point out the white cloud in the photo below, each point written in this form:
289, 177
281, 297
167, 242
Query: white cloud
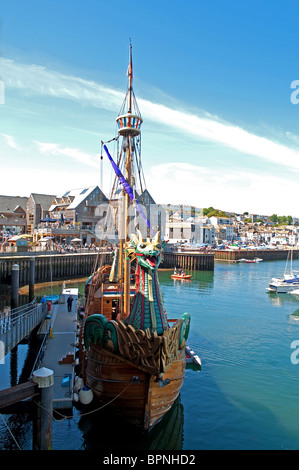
74, 154
237, 191
51, 179
10, 141
224, 133
170, 182
39, 80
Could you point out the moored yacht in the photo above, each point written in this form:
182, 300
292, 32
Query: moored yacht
283, 286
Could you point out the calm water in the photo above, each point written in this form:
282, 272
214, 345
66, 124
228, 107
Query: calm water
245, 397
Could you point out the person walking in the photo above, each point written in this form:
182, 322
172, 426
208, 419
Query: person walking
69, 303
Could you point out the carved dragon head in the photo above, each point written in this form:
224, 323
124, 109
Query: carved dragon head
147, 252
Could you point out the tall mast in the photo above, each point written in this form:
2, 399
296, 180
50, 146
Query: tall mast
128, 127
130, 74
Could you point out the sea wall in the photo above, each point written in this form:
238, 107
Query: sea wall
189, 261
49, 267
67, 266
74, 265
266, 255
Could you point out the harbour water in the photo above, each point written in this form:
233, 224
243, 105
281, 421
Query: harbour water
246, 395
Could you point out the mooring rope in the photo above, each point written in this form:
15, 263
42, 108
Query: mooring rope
83, 414
64, 416
16, 442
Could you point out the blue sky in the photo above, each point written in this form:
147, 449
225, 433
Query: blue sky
213, 84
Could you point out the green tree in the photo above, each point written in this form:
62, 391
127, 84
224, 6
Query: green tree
207, 210
274, 218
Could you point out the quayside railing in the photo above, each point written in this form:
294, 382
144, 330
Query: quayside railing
17, 323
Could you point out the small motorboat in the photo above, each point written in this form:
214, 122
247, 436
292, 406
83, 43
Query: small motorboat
192, 360
181, 276
52, 298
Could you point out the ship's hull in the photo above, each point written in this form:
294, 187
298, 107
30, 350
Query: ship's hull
130, 391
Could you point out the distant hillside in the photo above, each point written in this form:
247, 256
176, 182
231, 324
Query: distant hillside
211, 212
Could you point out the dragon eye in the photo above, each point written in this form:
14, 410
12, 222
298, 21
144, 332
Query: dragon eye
142, 245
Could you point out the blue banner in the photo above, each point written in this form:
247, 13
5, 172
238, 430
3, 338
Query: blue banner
127, 188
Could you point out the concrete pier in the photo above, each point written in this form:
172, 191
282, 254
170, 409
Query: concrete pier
60, 350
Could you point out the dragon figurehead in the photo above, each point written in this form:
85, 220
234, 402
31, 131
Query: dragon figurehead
148, 253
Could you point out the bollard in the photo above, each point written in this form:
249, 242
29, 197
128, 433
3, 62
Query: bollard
43, 423
31, 278
15, 274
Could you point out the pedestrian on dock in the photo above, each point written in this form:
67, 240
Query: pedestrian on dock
69, 303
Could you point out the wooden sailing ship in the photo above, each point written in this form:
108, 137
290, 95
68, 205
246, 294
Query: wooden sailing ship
133, 356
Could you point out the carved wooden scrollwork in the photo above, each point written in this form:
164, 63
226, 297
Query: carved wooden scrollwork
140, 347
170, 345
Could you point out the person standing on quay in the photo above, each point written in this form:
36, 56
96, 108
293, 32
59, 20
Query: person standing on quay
69, 303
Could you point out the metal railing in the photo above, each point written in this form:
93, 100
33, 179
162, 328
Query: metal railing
17, 323
41, 351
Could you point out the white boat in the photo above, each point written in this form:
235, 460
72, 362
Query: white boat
294, 292
288, 282
283, 287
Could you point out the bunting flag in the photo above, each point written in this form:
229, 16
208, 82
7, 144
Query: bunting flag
127, 187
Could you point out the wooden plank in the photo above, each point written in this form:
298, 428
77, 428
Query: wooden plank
12, 395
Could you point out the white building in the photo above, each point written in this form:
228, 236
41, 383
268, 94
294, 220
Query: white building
220, 221
224, 226
189, 232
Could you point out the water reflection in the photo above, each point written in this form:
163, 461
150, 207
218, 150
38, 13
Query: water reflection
294, 317
21, 437
99, 429
280, 299
203, 280
5, 297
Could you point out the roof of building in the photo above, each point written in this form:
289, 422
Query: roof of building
72, 199
44, 200
9, 204
147, 196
